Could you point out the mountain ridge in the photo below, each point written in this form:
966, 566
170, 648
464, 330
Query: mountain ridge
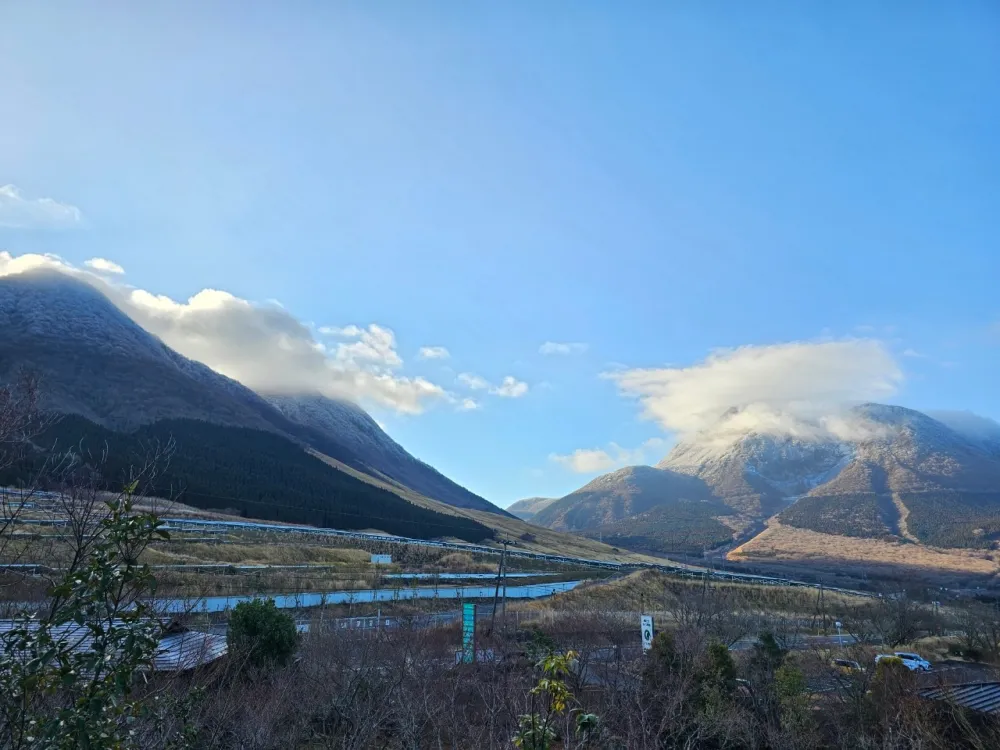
374, 449
881, 471
94, 361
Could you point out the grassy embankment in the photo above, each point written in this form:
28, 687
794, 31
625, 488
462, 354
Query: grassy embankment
899, 560
655, 591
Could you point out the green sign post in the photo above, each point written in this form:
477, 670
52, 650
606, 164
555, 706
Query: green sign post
468, 633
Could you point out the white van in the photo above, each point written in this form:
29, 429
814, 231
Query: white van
913, 662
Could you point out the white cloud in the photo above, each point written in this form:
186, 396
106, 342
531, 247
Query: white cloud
263, 346
346, 331
593, 460
798, 388
473, 382
375, 345
469, 404
18, 212
585, 460
434, 352
510, 387
104, 265
551, 347
913, 353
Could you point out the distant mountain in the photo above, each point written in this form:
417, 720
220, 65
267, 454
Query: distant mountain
626, 492
644, 507
95, 362
378, 454
527, 508
897, 473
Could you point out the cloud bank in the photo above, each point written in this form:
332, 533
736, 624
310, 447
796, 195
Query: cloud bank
264, 346
799, 388
19, 212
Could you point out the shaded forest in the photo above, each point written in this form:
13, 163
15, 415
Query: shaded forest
681, 526
856, 515
258, 474
954, 519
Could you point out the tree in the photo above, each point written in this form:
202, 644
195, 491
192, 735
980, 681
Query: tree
537, 729
793, 700
262, 634
765, 660
721, 669
54, 693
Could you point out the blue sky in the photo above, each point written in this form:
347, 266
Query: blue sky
655, 181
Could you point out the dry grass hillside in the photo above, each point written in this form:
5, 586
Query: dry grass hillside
525, 536
653, 590
781, 543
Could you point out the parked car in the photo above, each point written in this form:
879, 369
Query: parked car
913, 662
846, 666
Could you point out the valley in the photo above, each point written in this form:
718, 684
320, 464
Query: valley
897, 486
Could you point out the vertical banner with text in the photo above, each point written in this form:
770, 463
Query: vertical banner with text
468, 633
646, 628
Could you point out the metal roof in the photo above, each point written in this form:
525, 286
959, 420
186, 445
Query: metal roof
174, 652
977, 696
188, 650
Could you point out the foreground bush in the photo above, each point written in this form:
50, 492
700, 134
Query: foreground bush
262, 634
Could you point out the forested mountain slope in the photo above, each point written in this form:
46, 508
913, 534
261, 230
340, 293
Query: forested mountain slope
255, 473
349, 425
96, 362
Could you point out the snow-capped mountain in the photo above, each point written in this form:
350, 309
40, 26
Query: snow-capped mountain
96, 362
379, 454
884, 471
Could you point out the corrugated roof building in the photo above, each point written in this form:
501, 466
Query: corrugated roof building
976, 696
178, 649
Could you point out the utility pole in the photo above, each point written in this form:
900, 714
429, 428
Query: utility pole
822, 607
503, 601
496, 592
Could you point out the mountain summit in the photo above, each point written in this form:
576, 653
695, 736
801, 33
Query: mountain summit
878, 471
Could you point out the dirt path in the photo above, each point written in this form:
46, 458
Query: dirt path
904, 513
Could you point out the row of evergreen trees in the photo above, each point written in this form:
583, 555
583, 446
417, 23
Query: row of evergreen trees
254, 473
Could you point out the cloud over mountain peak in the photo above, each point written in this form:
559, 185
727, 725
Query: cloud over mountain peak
800, 389
262, 346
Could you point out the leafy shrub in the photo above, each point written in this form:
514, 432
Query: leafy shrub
262, 634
